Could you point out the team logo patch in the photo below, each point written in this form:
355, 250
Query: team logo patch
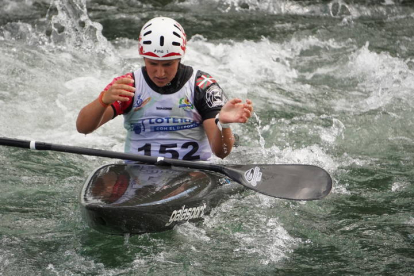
215, 96
140, 103
185, 104
205, 80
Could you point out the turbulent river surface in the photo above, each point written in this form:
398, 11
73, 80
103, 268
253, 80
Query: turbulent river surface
332, 83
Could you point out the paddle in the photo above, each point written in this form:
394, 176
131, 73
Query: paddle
288, 181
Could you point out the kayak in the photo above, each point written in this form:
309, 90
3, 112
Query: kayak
133, 198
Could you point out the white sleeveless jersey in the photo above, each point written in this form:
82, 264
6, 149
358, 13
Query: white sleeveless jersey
165, 125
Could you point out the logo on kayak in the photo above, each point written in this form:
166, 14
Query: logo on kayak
186, 214
253, 176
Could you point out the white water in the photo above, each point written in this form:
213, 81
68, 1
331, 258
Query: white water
326, 97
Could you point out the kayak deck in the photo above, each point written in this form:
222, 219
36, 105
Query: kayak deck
140, 198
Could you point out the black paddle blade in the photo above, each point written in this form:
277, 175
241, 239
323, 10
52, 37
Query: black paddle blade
297, 182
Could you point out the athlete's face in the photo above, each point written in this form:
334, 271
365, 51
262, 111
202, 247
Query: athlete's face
161, 72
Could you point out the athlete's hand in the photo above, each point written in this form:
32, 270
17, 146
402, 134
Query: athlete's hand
120, 90
235, 111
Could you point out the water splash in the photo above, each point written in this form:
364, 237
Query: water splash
334, 8
66, 26
339, 8
127, 236
73, 27
382, 79
58, 61
262, 141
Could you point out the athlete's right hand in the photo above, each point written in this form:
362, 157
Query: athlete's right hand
121, 90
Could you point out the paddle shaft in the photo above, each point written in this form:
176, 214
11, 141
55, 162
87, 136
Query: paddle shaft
33, 145
288, 181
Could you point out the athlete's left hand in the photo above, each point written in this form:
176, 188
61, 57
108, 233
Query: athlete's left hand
235, 111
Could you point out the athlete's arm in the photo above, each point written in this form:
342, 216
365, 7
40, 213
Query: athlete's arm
93, 116
100, 111
234, 111
210, 100
221, 142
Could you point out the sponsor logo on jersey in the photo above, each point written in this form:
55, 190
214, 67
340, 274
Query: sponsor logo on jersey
215, 96
138, 128
163, 108
253, 176
140, 103
185, 104
163, 124
186, 214
205, 80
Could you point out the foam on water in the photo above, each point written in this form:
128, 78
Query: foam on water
266, 245
319, 100
62, 69
241, 65
334, 8
382, 79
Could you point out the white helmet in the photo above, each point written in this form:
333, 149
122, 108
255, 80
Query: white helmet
162, 38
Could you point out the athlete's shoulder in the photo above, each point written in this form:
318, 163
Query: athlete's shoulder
208, 90
204, 80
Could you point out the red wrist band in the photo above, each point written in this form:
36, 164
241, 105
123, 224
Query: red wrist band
101, 101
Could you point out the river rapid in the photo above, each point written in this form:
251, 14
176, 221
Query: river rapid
332, 84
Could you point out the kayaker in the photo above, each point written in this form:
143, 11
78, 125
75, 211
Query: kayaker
170, 109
